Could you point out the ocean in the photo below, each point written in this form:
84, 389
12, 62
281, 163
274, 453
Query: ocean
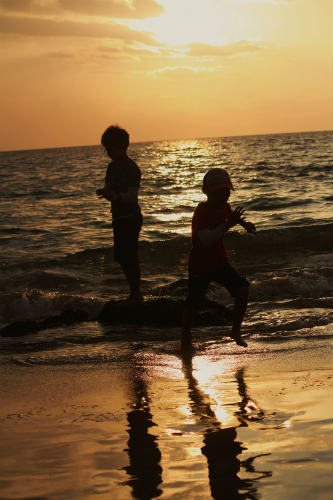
58, 272
56, 235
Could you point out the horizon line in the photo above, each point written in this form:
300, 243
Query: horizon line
171, 140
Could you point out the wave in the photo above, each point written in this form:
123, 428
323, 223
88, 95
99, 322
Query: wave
19, 230
272, 242
36, 306
35, 312
293, 283
274, 203
275, 242
306, 238
289, 264
47, 311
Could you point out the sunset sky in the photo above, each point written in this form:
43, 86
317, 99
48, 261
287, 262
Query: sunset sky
163, 69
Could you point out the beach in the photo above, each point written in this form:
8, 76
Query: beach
97, 399
138, 428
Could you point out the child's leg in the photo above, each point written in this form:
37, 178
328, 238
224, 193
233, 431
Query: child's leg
197, 286
133, 275
238, 286
241, 299
126, 237
188, 320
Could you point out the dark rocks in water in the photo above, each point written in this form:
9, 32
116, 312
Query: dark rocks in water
21, 328
162, 311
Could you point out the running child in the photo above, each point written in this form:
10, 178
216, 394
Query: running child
208, 259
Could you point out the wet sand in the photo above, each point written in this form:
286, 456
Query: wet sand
212, 425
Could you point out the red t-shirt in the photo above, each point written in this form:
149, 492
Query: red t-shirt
202, 258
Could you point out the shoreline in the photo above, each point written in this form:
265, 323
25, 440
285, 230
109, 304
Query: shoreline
175, 427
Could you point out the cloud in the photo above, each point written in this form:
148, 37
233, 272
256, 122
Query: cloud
135, 9
231, 49
176, 69
28, 6
61, 55
34, 26
16, 5
183, 71
183, 52
274, 2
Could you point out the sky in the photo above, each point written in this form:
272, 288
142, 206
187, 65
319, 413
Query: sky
162, 69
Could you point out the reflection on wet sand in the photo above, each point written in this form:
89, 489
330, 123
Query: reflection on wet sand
248, 408
221, 448
220, 445
144, 454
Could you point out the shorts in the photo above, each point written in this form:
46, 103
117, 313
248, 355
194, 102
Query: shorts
126, 232
226, 276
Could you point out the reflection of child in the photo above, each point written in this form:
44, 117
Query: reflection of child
122, 183
208, 259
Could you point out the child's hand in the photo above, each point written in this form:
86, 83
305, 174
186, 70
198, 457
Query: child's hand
235, 217
250, 227
107, 194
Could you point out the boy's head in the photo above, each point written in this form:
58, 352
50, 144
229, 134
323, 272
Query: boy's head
115, 140
217, 184
215, 179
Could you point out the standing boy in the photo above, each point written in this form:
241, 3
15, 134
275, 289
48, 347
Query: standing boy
208, 258
122, 183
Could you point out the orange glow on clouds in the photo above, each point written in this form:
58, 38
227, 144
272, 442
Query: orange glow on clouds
187, 21
163, 69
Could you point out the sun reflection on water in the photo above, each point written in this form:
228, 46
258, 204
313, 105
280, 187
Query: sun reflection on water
217, 381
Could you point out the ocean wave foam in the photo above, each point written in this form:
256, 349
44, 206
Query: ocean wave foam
37, 305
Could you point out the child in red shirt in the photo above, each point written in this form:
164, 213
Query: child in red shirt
208, 259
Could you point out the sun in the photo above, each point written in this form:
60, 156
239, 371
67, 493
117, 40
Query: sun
190, 21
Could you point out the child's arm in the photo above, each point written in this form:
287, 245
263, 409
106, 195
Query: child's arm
107, 193
208, 237
248, 226
130, 196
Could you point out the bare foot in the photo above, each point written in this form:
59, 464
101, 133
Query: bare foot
236, 335
240, 341
134, 299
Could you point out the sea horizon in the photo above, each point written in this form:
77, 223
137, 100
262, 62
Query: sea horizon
166, 140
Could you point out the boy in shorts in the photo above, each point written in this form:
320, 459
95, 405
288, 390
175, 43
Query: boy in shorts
208, 259
121, 187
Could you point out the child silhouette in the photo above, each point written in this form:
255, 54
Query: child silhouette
122, 183
208, 259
